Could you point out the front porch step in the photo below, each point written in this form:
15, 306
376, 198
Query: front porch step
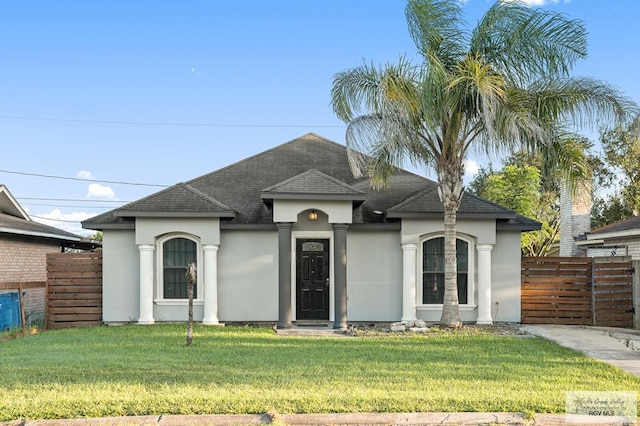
311, 331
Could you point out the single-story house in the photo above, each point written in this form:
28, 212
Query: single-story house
620, 238
24, 244
291, 235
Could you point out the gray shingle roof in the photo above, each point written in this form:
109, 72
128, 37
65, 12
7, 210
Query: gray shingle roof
309, 164
313, 184
622, 225
178, 200
15, 225
428, 201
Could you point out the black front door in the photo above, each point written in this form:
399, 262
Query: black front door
312, 279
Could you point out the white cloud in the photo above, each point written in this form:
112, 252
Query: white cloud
69, 222
100, 191
83, 174
471, 168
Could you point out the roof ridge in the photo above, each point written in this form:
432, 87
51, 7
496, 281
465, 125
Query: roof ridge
254, 156
204, 196
319, 174
412, 198
491, 202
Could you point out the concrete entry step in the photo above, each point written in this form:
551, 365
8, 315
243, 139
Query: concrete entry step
312, 329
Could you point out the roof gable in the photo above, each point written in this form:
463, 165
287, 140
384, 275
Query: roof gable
427, 203
178, 200
313, 184
15, 220
9, 205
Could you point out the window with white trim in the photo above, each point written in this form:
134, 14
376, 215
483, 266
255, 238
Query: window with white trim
433, 271
176, 253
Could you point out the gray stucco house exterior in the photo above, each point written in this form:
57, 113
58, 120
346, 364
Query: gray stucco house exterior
290, 235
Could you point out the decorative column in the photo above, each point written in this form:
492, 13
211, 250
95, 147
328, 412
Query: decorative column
484, 283
146, 284
210, 284
409, 281
284, 274
340, 274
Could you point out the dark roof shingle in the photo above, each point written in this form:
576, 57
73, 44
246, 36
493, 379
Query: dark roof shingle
309, 164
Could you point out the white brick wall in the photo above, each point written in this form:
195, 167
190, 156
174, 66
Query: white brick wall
575, 218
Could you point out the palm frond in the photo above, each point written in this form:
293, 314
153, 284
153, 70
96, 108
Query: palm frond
437, 29
580, 101
526, 43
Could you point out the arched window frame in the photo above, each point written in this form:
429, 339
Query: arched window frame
160, 300
471, 272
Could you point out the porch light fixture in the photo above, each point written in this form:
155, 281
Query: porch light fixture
313, 215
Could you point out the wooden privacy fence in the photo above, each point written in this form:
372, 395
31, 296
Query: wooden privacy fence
577, 290
74, 290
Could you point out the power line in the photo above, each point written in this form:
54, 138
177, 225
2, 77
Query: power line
72, 199
64, 206
57, 220
156, 123
83, 179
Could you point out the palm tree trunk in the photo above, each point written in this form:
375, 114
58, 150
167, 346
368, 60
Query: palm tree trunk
450, 192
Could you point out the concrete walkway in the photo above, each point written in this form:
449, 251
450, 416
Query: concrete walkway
616, 346
353, 419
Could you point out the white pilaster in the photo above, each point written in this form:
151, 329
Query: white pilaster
146, 284
484, 283
210, 284
409, 281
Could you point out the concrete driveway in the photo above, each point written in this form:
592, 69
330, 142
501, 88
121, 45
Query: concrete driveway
616, 346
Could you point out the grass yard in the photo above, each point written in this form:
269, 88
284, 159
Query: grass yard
141, 370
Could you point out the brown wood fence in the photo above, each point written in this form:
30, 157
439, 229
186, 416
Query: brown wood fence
613, 292
577, 290
74, 290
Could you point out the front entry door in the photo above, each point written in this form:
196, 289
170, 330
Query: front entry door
312, 279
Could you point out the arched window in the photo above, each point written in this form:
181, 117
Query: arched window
177, 253
433, 271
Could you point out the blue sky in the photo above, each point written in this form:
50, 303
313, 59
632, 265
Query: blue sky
160, 92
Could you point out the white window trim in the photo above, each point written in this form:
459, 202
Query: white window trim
328, 235
159, 299
471, 274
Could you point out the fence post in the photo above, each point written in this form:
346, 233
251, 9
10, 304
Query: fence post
593, 292
636, 294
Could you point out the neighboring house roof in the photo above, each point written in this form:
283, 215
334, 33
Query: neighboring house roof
309, 167
15, 220
624, 228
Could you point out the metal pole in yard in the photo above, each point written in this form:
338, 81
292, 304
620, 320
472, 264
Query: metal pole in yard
191, 279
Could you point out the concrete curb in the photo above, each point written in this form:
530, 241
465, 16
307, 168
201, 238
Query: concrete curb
476, 419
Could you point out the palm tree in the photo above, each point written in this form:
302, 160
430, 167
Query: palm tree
502, 86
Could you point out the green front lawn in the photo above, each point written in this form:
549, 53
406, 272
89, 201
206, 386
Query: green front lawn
140, 370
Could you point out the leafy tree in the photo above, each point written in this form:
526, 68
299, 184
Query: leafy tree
519, 186
502, 85
609, 209
621, 146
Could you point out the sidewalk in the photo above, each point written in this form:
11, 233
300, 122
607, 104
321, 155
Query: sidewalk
418, 419
617, 346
